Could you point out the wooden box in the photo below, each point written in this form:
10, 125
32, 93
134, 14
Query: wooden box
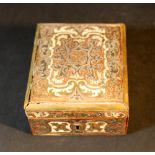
78, 80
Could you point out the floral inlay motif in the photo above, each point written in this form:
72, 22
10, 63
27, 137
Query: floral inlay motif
79, 62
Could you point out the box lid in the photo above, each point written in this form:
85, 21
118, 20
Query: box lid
78, 66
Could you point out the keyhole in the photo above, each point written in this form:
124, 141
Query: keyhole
77, 127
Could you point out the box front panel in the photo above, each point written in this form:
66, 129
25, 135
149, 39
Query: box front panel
81, 123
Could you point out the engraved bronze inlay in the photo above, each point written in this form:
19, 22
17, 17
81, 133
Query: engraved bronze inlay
77, 115
108, 127
78, 63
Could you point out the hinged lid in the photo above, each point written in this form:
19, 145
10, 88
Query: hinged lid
78, 66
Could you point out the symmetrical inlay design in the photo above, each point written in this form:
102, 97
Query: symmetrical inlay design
66, 127
111, 126
96, 126
78, 63
75, 115
60, 126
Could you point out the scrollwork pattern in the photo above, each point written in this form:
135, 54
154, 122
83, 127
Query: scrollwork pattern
79, 62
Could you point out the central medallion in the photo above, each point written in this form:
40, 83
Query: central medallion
78, 65
78, 60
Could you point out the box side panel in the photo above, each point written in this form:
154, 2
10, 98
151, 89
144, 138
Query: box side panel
27, 95
78, 123
125, 71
